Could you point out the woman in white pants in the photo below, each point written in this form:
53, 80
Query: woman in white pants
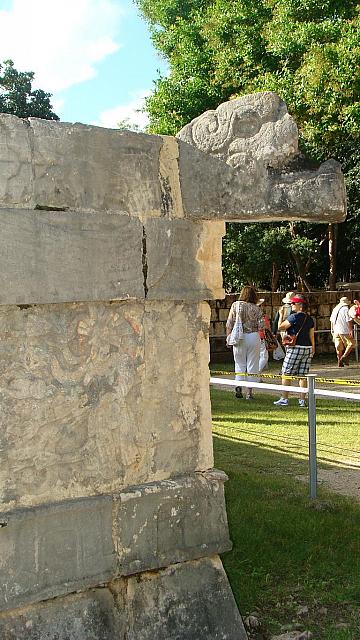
247, 354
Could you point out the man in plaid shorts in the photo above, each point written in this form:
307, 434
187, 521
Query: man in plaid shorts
298, 357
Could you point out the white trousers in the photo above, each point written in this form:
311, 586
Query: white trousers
264, 356
247, 356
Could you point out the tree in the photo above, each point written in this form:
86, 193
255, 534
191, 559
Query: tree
127, 125
17, 96
305, 50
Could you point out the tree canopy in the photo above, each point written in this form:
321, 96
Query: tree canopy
307, 51
17, 96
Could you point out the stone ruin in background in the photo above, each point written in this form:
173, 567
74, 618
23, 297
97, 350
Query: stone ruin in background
112, 516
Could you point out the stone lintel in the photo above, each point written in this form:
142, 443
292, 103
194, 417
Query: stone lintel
60, 548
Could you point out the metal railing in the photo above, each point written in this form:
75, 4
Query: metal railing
312, 392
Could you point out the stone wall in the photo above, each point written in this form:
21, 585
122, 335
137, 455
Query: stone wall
321, 305
111, 515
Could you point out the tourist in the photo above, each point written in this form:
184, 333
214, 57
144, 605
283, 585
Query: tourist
342, 331
264, 354
297, 357
354, 312
247, 353
282, 313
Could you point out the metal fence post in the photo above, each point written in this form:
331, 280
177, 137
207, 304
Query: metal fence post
312, 434
356, 342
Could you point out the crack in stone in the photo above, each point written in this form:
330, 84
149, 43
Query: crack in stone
41, 207
144, 262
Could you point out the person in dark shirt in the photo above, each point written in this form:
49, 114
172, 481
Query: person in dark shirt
298, 357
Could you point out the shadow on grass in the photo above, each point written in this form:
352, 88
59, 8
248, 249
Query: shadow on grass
288, 551
285, 429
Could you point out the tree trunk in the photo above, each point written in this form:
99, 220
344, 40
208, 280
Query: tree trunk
304, 284
275, 277
332, 235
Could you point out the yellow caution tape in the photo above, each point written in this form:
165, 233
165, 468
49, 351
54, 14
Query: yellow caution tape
341, 381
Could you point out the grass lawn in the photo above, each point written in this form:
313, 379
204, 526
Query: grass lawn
294, 561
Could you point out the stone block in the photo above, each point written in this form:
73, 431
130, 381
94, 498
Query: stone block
89, 616
323, 323
175, 403
62, 256
16, 175
214, 190
87, 168
55, 549
184, 602
219, 329
324, 310
183, 259
95, 397
171, 521
223, 315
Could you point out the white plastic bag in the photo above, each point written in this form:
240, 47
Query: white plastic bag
278, 353
237, 332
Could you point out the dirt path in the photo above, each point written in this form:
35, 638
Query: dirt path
343, 481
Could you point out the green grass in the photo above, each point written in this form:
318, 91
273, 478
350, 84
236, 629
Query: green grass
289, 551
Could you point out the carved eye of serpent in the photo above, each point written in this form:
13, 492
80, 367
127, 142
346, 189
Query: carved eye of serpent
246, 124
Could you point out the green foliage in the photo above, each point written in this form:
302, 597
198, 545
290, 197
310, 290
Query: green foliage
17, 96
127, 125
308, 51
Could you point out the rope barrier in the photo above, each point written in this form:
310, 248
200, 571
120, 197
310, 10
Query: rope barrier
297, 390
340, 381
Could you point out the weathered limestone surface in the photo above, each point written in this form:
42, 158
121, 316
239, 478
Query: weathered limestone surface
171, 521
264, 180
187, 601
50, 165
56, 549
239, 170
62, 256
113, 257
182, 259
193, 599
89, 616
90, 404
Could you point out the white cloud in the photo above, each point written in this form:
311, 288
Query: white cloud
129, 112
60, 41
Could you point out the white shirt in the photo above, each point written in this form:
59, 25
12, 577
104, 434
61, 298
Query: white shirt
339, 319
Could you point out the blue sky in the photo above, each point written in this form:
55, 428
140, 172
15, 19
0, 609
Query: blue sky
94, 56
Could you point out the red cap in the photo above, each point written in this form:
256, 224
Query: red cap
298, 299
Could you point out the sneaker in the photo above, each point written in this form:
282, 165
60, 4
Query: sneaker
282, 402
238, 392
249, 397
302, 403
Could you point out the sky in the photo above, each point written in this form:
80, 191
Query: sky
94, 56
